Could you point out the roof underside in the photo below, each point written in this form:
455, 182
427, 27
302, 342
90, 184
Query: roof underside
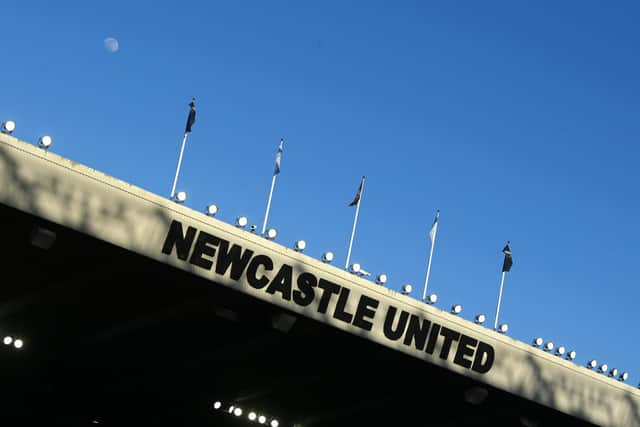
112, 337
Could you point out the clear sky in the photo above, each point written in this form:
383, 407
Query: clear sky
519, 120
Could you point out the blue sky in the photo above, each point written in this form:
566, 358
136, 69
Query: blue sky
518, 120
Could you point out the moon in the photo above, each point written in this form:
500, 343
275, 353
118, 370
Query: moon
111, 45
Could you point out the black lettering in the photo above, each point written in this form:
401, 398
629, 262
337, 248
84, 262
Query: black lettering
233, 257
328, 289
449, 336
466, 347
366, 309
304, 296
417, 331
389, 332
282, 282
484, 358
433, 337
177, 239
340, 312
204, 246
252, 271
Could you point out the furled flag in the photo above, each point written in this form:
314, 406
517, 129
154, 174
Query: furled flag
358, 194
278, 157
192, 116
508, 260
434, 228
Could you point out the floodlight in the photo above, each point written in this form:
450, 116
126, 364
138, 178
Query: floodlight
252, 416
211, 210
217, 405
406, 289
480, 319
300, 245
571, 355
537, 342
603, 368
262, 419
241, 221
274, 423
456, 309
503, 328
237, 412
548, 346
231, 408
381, 279
624, 376
271, 233
7, 340
355, 267
432, 299
327, 257
8, 127
180, 197
560, 351
613, 372
45, 141
592, 363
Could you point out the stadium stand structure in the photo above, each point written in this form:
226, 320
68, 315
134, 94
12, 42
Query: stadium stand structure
136, 310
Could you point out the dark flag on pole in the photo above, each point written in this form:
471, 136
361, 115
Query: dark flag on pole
192, 116
508, 260
276, 171
358, 194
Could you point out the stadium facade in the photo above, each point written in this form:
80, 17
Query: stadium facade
133, 308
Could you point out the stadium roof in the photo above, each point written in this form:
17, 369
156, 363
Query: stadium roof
134, 308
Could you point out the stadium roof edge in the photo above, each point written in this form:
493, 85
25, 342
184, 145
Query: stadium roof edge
86, 200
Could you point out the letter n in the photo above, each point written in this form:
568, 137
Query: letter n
182, 242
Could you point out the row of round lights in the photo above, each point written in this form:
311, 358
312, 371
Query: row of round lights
9, 126
252, 416
561, 351
604, 369
16, 342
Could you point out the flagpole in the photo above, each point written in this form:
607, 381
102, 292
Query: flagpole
434, 231
426, 279
353, 230
175, 179
266, 214
495, 323
191, 119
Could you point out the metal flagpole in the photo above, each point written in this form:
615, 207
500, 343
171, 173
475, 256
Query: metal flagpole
191, 119
495, 323
175, 180
432, 235
426, 279
266, 214
355, 221
276, 171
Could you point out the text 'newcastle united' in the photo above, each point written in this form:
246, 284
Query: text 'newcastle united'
304, 289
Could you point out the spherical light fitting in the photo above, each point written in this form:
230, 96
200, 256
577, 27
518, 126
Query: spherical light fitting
8, 127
